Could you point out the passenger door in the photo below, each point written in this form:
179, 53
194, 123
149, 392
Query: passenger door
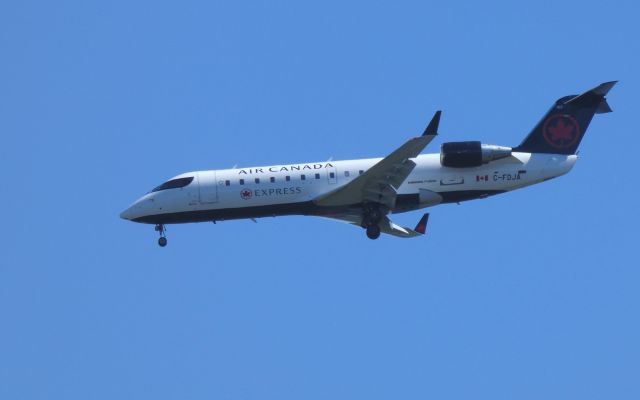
208, 186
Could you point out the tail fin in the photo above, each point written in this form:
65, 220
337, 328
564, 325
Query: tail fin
562, 128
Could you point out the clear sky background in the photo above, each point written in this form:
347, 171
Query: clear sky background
529, 295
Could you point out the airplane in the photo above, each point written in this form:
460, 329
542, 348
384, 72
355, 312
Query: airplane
364, 192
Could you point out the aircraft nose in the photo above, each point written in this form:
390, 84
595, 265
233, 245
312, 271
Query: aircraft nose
140, 208
127, 214
134, 211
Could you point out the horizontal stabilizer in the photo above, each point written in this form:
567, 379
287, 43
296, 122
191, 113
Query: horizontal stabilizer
603, 88
592, 97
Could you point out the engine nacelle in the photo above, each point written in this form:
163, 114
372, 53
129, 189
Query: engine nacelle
470, 154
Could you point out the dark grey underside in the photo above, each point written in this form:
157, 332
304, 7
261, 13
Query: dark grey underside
404, 202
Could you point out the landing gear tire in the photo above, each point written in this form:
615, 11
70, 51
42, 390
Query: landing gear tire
373, 232
162, 241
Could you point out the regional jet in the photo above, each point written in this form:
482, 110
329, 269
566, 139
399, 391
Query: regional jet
365, 192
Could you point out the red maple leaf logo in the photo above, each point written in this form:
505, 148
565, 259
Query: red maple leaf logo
561, 131
246, 194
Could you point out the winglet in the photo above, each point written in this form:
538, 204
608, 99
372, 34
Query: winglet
422, 224
432, 128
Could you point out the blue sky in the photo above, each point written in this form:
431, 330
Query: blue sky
532, 294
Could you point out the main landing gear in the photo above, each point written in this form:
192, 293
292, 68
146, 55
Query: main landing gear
371, 216
162, 241
373, 232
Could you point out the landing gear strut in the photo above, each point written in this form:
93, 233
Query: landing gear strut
371, 216
162, 241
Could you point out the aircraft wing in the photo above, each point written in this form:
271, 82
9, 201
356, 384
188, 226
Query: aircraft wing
379, 183
387, 226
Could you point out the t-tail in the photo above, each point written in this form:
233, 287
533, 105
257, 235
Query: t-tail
562, 128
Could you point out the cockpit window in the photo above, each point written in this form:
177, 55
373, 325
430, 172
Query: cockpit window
174, 184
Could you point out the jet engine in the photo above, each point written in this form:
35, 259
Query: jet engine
470, 154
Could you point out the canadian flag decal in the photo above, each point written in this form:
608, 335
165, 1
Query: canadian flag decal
482, 178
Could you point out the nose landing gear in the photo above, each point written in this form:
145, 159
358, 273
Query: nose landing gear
162, 241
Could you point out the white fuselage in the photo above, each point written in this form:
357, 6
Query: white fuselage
291, 188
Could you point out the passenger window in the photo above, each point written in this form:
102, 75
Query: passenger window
272, 179
332, 175
257, 180
346, 173
317, 176
227, 183
303, 177
287, 178
242, 181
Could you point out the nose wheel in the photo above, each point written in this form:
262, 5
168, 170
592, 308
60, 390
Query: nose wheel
162, 241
